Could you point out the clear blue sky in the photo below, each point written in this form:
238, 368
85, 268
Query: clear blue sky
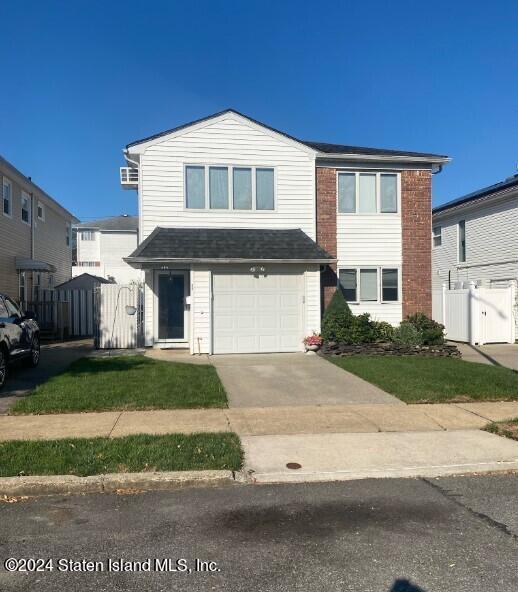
79, 80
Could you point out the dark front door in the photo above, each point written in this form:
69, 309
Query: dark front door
171, 306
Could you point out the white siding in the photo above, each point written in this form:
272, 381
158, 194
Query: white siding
312, 298
114, 246
371, 240
226, 141
88, 250
149, 297
200, 310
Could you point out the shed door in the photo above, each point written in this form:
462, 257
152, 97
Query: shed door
257, 313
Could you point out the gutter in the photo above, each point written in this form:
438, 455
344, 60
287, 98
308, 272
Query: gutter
386, 158
212, 260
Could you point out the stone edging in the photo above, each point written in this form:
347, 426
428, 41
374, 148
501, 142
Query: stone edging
111, 482
390, 349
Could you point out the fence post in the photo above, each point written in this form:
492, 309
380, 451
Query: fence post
475, 317
514, 310
443, 303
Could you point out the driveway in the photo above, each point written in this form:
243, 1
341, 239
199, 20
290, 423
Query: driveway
271, 380
497, 354
55, 357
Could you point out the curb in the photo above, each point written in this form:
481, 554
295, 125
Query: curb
112, 482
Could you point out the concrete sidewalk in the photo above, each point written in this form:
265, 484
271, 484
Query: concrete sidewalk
260, 421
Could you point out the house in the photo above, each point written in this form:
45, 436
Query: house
35, 237
101, 246
475, 238
85, 281
245, 232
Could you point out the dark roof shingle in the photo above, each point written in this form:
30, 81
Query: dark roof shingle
229, 243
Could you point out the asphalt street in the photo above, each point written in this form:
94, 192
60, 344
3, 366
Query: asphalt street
399, 535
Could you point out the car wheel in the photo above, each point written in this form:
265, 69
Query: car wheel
3, 368
34, 358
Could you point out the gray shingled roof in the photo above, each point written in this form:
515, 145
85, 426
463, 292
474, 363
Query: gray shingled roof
213, 244
322, 147
123, 222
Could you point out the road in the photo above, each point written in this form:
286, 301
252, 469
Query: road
456, 533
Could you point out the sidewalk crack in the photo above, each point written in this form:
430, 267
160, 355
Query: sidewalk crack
480, 515
115, 424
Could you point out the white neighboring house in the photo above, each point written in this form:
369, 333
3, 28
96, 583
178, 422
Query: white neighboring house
102, 245
246, 232
475, 239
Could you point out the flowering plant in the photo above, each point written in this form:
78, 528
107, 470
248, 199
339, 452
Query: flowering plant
313, 340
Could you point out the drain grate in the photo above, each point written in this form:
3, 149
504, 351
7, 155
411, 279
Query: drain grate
293, 466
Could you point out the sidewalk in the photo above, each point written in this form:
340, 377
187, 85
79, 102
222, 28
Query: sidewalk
264, 421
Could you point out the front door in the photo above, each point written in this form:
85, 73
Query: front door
172, 290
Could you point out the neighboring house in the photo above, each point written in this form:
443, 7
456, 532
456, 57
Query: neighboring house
35, 237
101, 246
246, 232
475, 237
85, 281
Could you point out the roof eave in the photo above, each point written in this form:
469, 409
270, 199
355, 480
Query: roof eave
139, 261
472, 202
384, 158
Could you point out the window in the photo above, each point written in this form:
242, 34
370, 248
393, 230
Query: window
87, 235
89, 264
437, 236
68, 231
209, 187
242, 187
264, 189
218, 188
41, 212
7, 198
389, 285
462, 240
195, 187
363, 284
21, 287
368, 193
26, 208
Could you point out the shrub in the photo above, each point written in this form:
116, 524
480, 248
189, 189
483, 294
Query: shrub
384, 331
337, 321
407, 334
431, 331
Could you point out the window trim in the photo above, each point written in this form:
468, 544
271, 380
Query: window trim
459, 260
8, 182
436, 235
68, 235
230, 167
41, 205
379, 283
26, 196
377, 173
89, 232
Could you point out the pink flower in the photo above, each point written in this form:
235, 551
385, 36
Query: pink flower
313, 340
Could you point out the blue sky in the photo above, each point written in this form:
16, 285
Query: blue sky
80, 80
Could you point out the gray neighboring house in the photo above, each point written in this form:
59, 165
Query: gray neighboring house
35, 237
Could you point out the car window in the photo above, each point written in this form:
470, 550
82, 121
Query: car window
4, 315
12, 309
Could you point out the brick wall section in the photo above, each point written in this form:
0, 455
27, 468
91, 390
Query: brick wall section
326, 228
416, 221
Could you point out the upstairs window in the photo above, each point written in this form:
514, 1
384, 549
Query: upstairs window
461, 232
229, 188
26, 208
87, 235
68, 233
41, 212
368, 193
7, 199
437, 236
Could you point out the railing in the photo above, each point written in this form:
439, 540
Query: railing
129, 177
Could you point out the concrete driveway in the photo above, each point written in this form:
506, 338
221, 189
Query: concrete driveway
496, 354
55, 357
271, 380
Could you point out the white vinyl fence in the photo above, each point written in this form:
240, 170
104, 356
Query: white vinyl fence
118, 316
477, 315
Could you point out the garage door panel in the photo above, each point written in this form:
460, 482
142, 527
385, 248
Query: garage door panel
262, 313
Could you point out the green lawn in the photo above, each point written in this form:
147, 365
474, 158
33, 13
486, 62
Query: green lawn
132, 454
125, 383
433, 380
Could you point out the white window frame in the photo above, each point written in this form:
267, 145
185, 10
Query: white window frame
465, 243
7, 183
230, 168
25, 197
68, 235
41, 205
379, 283
378, 174
90, 233
436, 234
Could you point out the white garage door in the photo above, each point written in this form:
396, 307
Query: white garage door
257, 313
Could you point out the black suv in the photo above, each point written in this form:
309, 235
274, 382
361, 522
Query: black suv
19, 337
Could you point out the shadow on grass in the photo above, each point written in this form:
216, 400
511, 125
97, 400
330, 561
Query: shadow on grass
100, 365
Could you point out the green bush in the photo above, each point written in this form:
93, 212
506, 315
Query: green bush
340, 325
407, 334
384, 331
431, 331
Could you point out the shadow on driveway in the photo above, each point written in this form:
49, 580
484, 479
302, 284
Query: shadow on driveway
55, 358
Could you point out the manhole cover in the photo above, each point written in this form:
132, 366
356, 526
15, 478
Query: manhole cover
294, 466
